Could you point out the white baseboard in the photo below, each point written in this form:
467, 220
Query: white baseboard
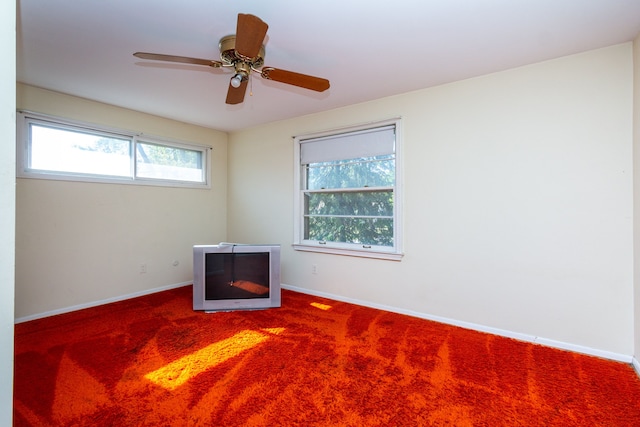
481, 328
100, 302
636, 365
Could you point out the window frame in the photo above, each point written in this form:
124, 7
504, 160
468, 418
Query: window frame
394, 252
26, 118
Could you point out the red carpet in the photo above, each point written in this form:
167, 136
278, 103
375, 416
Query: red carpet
152, 361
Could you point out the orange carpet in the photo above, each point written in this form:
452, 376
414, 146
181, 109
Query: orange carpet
152, 361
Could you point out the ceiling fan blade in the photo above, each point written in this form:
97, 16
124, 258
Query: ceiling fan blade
235, 95
250, 34
180, 59
296, 79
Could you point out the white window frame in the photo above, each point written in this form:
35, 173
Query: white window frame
26, 118
395, 252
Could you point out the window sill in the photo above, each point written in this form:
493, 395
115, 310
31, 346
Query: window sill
390, 256
112, 180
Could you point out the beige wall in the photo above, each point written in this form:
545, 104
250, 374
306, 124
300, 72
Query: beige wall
518, 202
82, 243
7, 205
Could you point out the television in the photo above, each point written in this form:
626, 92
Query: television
232, 276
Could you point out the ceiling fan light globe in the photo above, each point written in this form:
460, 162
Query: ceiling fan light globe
236, 81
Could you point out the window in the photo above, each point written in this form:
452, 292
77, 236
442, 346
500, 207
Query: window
348, 194
53, 148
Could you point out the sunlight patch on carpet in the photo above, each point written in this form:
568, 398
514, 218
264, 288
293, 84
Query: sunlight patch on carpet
324, 307
180, 371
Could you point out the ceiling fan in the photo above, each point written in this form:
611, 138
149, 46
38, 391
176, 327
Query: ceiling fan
244, 53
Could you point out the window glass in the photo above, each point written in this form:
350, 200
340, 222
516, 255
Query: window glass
355, 203
361, 217
64, 150
172, 163
352, 173
363, 231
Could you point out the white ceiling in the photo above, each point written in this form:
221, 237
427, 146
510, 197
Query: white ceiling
367, 49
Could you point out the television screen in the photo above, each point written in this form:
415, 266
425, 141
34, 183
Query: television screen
236, 275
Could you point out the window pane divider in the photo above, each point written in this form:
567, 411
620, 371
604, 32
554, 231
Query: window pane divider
349, 216
348, 190
386, 158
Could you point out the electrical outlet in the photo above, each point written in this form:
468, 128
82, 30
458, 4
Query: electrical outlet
314, 269
143, 268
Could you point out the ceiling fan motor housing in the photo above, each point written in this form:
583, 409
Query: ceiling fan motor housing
229, 55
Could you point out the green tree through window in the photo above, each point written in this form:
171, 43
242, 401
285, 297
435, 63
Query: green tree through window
362, 213
169, 156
